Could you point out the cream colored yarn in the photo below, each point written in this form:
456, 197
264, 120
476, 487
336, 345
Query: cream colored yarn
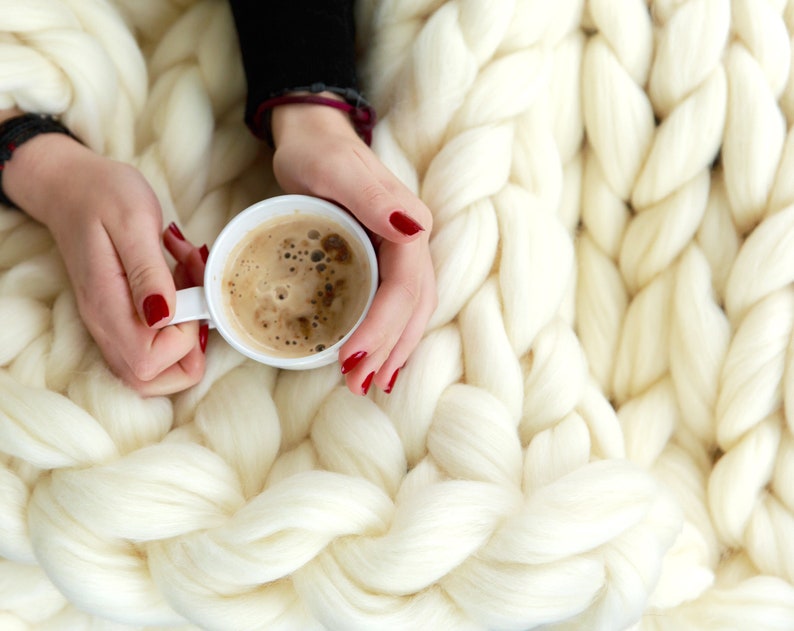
596, 430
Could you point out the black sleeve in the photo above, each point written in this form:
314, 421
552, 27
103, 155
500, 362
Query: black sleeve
288, 44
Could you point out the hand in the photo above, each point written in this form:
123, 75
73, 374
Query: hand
106, 222
318, 153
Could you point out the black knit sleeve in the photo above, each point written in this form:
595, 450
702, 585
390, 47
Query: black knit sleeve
288, 44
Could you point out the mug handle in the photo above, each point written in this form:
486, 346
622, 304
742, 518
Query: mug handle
191, 304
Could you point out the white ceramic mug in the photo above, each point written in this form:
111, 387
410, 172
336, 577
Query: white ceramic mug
206, 303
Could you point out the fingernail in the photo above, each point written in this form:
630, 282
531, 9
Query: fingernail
204, 331
367, 383
404, 223
204, 251
176, 231
392, 381
351, 362
155, 308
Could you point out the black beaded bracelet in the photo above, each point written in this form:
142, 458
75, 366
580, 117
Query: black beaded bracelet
18, 130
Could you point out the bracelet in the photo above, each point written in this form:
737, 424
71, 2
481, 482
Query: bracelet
18, 130
361, 113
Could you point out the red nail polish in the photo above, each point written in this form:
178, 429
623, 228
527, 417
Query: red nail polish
367, 383
404, 223
155, 308
392, 382
176, 231
204, 331
204, 251
351, 362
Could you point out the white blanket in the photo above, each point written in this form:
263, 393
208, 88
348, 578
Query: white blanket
596, 430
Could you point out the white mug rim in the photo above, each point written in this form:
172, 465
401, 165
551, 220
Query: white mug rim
236, 229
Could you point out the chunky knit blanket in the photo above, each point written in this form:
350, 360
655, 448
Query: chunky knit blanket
597, 430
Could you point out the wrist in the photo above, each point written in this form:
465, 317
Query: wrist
360, 114
309, 118
40, 173
28, 144
11, 113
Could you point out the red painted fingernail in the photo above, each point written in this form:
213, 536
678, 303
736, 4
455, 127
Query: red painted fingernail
367, 383
351, 362
176, 231
404, 223
204, 251
392, 381
204, 331
155, 308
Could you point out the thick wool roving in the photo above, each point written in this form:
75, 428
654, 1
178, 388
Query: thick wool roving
596, 431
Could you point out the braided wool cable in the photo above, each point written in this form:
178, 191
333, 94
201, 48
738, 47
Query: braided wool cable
633, 230
660, 234
549, 455
750, 502
515, 310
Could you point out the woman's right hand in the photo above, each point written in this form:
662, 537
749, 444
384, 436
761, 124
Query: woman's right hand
107, 224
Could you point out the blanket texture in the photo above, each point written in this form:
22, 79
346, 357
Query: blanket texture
596, 432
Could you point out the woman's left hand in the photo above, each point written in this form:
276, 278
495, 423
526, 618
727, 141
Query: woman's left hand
319, 153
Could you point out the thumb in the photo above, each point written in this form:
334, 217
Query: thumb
148, 275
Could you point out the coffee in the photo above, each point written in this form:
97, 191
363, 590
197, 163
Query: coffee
296, 285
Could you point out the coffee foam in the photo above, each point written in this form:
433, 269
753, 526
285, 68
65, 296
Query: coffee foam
296, 285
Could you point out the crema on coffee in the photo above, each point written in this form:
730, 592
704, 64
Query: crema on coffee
296, 285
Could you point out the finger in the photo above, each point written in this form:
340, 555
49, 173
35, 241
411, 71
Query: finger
151, 284
386, 376
151, 361
178, 377
397, 320
135, 351
182, 279
191, 273
143, 354
371, 344
170, 346
191, 260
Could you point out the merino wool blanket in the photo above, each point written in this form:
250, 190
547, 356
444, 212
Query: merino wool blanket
596, 431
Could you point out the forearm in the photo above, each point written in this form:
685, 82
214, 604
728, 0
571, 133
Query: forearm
287, 45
